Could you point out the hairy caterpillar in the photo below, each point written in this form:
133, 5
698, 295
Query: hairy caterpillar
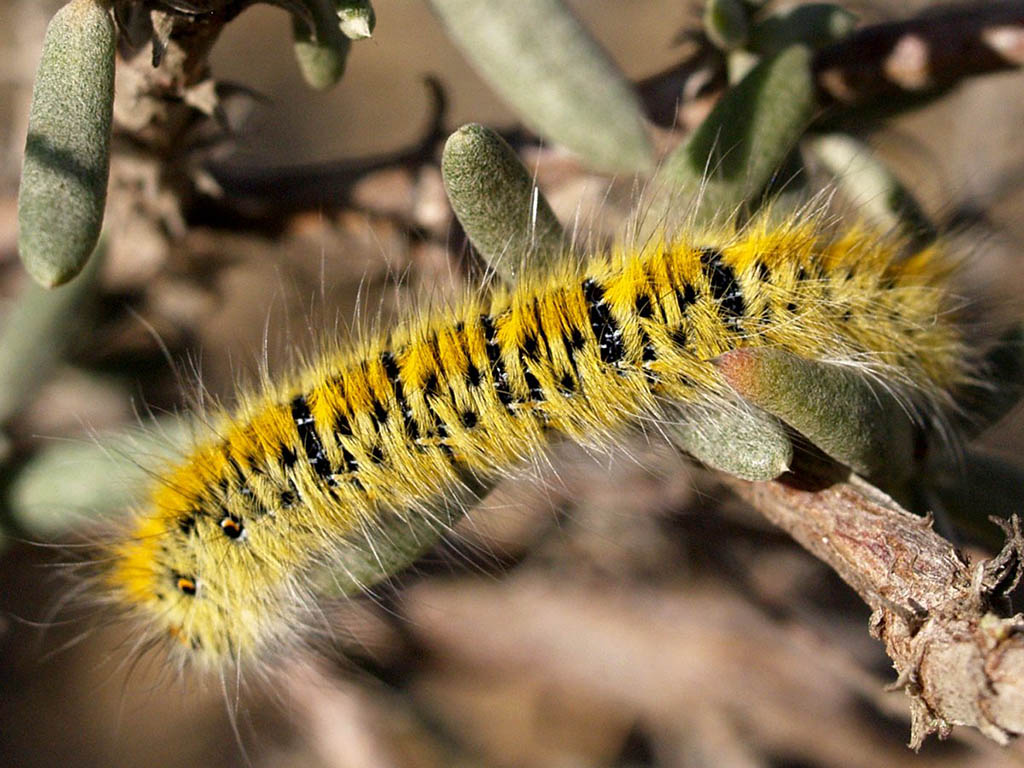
225, 555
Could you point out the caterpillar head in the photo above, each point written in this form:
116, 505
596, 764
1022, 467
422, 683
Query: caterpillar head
191, 578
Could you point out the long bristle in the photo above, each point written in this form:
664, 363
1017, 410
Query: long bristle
400, 425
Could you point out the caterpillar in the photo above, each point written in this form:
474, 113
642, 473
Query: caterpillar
226, 554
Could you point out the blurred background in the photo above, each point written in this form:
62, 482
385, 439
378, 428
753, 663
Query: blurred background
627, 612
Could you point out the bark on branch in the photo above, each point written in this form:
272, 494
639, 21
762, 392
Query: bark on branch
959, 661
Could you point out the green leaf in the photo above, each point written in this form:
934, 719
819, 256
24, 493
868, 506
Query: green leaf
741, 441
321, 51
67, 483
397, 541
34, 334
842, 412
871, 186
494, 197
814, 25
536, 55
726, 23
67, 153
734, 153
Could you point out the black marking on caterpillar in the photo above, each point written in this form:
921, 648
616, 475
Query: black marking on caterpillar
725, 288
498, 372
606, 330
306, 427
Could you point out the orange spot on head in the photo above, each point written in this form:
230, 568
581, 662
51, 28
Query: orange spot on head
178, 634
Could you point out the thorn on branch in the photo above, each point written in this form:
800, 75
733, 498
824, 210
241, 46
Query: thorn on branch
1002, 574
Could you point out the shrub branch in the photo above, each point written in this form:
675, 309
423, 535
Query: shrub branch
959, 661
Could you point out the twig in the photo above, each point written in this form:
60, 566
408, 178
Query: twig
879, 65
924, 54
958, 661
263, 191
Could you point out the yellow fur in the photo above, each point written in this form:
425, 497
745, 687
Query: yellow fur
223, 553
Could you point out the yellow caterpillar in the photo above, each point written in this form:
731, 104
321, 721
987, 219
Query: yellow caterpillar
225, 554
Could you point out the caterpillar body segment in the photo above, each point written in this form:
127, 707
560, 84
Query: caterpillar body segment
225, 552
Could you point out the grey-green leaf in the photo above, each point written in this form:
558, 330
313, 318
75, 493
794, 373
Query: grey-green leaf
838, 409
494, 197
69, 482
734, 153
740, 440
397, 541
67, 153
34, 334
537, 56
726, 23
814, 24
321, 52
868, 183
